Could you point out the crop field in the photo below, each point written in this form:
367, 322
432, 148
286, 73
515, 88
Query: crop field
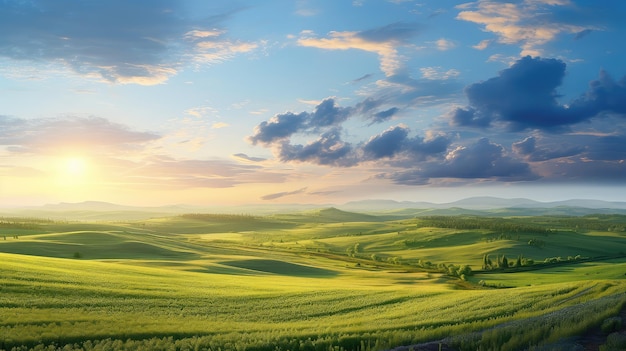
317, 280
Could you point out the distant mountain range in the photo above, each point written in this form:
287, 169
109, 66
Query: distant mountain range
479, 206
480, 203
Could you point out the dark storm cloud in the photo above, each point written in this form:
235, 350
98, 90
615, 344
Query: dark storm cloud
41, 135
395, 32
524, 96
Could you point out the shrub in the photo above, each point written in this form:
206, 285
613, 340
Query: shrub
614, 342
612, 324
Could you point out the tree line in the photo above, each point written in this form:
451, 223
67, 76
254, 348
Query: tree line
218, 217
487, 223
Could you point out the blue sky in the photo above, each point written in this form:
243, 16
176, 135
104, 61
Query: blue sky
226, 102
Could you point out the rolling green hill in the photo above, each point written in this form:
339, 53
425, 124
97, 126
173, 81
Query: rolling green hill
323, 279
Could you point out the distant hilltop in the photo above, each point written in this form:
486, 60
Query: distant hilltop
478, 206
481, 203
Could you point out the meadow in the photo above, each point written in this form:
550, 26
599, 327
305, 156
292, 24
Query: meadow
314, 280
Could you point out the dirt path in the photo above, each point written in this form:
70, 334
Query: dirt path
592, 340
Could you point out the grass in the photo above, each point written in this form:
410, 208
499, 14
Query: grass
281, 268
47, 300
282, 282
587, 271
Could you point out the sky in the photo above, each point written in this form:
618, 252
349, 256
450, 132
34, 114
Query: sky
231, 102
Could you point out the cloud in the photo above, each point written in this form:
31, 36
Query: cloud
304, 9
20, 172
327, 113
444, 44
362, 78
395, 142
525, 147
386, 144
78, 133
603, 95
245, 157
522, 95
119, 155
279, 127
326, 121
528, 148
282, 126
525, 96
216, 49
399, 32
116, 41
437, 73
219, 125
482, 45
583, 33
606, 148
480, 160
525, 22
382, 116
401, 92
168, 172
328, 149
578, 156
580, 170
483, 159
282, 194
383, 41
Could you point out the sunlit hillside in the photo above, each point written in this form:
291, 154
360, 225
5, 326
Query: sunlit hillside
322, 279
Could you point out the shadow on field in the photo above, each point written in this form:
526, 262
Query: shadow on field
281, 268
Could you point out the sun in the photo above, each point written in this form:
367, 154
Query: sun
75, 167
73, 172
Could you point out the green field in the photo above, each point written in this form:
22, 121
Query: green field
317, 280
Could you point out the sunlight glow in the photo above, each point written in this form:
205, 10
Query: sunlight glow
75, 167
73, 172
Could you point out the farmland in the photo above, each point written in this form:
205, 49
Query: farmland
314, 280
